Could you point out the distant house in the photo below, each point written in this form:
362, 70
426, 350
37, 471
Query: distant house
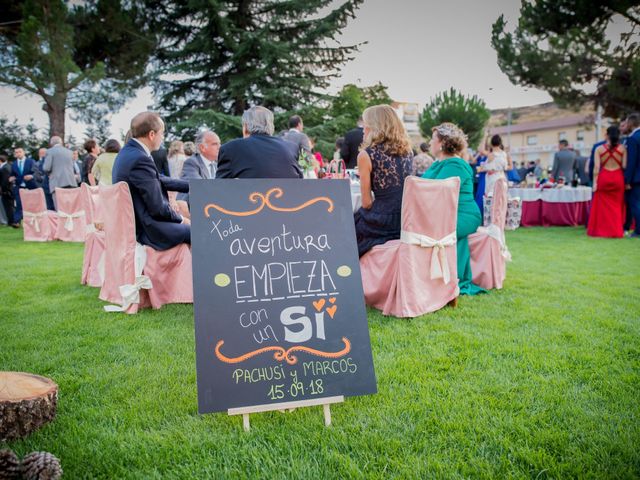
535, 131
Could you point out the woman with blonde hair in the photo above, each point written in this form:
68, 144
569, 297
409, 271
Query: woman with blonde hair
176, 158
384, 161
447, 144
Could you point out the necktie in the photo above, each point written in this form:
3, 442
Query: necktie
212, 172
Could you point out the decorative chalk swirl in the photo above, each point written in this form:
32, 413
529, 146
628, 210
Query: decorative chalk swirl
265, 200
282, 354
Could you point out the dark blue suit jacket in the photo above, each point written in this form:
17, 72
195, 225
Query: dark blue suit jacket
28, 169
157, 224
632, 172
258, 156
592, 158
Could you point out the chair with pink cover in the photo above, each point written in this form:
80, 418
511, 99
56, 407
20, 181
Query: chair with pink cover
417, 274
137, 276
489, 253
72, 217
39, 224
94, 244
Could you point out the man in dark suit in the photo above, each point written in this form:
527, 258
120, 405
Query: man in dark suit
204, 164
22, 174
160, 158
632, 172
259, 154
351, 145
157, 224
6, 190
592, 159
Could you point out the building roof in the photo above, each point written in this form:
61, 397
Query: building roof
569, 121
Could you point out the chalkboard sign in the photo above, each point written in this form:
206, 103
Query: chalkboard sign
278, 301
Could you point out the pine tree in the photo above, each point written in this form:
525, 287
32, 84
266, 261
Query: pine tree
563, 47
81, 57
468, 113
226, 55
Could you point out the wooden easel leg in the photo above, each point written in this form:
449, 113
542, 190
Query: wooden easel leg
327, 414
245, 422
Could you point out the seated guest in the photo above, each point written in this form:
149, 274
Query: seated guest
176, 158
161, 159
103, 166
189, 148
447, 143
202, 165
422, 161
384, 162
157, 224
259, 154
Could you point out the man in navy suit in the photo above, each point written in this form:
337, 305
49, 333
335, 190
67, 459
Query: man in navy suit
632, 172
259, 154
157, 224
22, 173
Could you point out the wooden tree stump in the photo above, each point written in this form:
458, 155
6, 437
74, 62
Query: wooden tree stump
27, 402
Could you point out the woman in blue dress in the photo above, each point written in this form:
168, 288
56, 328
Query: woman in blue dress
384, 162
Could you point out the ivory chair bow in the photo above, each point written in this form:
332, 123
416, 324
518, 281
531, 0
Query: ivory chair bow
131, 292
494, 232
34, 218
439, 260
68, 223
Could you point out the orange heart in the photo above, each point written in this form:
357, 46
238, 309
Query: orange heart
332, 299
332, 310
319, 304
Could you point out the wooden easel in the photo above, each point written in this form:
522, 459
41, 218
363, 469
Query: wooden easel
325, 402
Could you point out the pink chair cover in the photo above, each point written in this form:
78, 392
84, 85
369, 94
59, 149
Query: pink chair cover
94, 244
489, 253
160, 277
39, 224
72, 216
401, 277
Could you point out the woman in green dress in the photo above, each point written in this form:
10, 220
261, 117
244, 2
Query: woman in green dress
447, 144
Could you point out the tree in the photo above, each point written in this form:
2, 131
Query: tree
12, 135
85, 57
561, 46
226, 55
468, 113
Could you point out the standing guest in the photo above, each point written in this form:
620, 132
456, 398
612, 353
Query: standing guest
607, 210
298, 137
93, 150
59, 165
351, 146
384, 162
496, 164
42, 154
38, 173
189, 148
22, 176
77, 165
522, 171
632, 172
447, 143
6, 190
582, 164
176, 158
537, 169
103, 166
258, 154
202, 165
317, 155
422, 161
564, 163
336, 153
161, 159
481, 175
157, 224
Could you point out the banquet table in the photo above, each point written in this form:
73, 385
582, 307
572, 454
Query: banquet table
356, 196
565, 206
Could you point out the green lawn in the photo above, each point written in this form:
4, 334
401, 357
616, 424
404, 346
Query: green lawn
539, 380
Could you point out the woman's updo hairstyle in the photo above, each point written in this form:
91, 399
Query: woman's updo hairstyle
453, 139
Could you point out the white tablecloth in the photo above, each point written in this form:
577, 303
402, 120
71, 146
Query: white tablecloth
552, 195
356, 196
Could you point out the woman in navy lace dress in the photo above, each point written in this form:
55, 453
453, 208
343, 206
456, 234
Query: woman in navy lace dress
384, 162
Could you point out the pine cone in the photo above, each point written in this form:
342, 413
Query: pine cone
41, 466
9, 465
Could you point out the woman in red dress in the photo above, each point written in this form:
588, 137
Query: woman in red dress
607, 210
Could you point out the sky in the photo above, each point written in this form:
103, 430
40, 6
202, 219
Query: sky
417, 48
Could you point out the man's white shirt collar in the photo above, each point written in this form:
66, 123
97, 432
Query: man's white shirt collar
143, 146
